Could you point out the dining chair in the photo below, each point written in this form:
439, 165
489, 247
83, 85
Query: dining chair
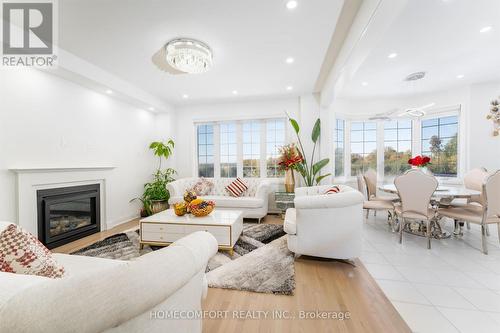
374, 205
485, 214
473, 180
415, 190
370, 179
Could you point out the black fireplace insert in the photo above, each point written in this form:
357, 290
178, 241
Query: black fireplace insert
67, 214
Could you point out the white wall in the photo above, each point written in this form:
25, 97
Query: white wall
46, 121
478, 146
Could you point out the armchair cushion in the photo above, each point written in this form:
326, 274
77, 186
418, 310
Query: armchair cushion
290, 225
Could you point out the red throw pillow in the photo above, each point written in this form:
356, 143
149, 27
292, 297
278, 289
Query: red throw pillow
237, 187
23, 253
333, 190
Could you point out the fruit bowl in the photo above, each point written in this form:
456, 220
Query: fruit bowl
200, 207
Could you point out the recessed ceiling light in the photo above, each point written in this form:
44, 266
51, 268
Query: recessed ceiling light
109, 91
185, 96
392, 55
364, 84
460, 76
289, 60
485, 29
151, 108
235, 92
292, 4
289, 88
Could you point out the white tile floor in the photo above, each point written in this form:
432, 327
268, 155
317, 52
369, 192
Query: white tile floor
451, 288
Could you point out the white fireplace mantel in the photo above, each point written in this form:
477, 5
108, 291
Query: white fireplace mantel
30, 180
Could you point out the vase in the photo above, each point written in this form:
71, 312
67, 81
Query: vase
289, 181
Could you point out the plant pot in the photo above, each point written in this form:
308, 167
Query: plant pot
289, 181
158, 206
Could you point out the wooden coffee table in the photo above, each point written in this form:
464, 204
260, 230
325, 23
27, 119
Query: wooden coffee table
164, 228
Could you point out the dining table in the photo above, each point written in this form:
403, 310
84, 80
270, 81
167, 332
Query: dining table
442, 197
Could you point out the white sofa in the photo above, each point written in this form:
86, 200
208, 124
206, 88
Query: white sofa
325, 225
253, 202
102, 295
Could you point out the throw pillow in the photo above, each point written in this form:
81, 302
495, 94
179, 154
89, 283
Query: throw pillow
237, 187
203, 186
23, 253
333, 190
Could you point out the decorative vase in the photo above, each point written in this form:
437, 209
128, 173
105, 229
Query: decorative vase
289, 181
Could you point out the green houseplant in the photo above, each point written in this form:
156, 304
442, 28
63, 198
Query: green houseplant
309, 170
155, 196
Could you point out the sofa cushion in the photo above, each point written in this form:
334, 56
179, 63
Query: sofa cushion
237, 187
23, 253
203, 186
290, 225
232, 202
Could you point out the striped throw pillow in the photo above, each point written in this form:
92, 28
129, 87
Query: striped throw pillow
333, 190
237, 187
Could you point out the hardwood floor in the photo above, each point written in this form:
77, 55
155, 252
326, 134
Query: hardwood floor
321, 285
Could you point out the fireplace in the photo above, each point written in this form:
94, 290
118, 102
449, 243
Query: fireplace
67, 214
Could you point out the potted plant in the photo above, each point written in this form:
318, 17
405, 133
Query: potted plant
309, 170
288, 161
155, 196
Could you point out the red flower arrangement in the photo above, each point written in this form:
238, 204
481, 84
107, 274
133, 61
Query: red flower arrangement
420, 161
290, 157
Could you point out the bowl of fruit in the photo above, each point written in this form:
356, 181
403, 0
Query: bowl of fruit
200, 207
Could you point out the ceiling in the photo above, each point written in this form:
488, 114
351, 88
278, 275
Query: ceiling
250, 41
440, 37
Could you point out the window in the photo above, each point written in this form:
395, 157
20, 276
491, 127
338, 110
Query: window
339, 147
228, 155
397, 146
440, 142
251, 149
205, 150
275, 138
363, 147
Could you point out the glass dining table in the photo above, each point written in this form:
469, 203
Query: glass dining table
443, 196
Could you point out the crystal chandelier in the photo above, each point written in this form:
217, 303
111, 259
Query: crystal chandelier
188, 55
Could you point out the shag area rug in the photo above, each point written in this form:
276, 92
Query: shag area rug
261, 261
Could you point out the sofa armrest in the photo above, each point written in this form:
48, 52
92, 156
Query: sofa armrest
337, 200
96, 301
263, 189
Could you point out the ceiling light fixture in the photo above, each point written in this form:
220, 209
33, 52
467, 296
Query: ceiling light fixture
109, 91
392, 55
189, 55
485, 29
292, 4
415, 76
185, 96
460, 76
289, 88
289, 60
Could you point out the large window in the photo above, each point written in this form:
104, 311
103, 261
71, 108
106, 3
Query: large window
275, 138
251, 149
339, 147
440, 142
363, 147
205, 135
397, 146
228, 154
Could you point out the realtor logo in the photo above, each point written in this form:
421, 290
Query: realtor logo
28, 29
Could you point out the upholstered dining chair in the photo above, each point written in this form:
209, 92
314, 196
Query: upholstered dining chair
415, 190
374, 205
370, 179
483, 214
473, 180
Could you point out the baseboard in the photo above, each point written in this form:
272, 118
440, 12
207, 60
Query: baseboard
115, 223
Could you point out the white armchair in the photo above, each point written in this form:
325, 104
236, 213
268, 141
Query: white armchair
325, 225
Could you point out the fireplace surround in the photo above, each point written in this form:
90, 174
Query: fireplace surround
66, 214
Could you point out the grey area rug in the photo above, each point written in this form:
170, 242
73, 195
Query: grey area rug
261, 261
